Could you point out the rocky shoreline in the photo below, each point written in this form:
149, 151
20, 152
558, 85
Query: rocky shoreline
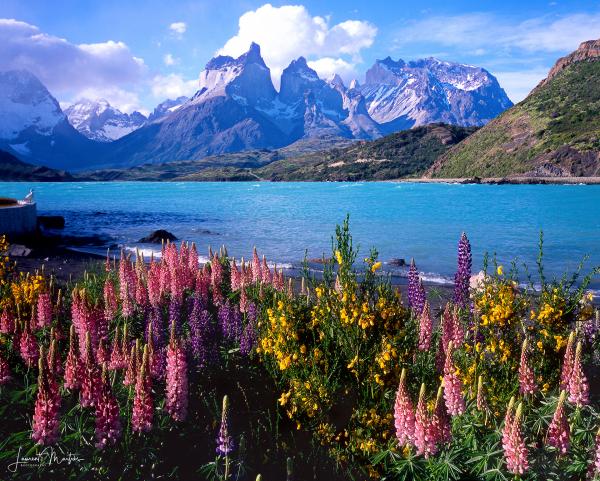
506, 180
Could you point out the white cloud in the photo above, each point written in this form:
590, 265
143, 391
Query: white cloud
172, 86
479, 30
124, 100
518, 84
287, 32
326, 67
169, 60
178, 28
68, 69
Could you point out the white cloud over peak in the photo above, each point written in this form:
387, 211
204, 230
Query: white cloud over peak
178, 28
172, 86
65, 68
288, 32
326, 67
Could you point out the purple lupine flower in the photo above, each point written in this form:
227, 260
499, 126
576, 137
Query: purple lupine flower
154, 324
224, 440
230, 321
463, 273
175, 313
413, 283
203, 336
249, 336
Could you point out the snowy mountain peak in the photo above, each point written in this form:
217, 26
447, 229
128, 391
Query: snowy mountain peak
247, 78
336, 81
166, 108
354, 84
402, 94
98, 120
26, 104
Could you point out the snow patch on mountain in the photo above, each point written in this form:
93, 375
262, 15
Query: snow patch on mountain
98, 120
26, 104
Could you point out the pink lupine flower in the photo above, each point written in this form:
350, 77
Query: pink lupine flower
141, 417
578, 384
458, 334
102, 354
126, 285
73, 368
559, 430
425, 328
110, 300
508, 423
88, 396
7, 323
87, 318
28, 346
132, 368
266, 277
216, 273
515, 451
455, 402
567, 366
481, 401
424, 437
154, 284
440, 428
256, 269
117, 361
193, 263
44, 310
526, 375
5, 374
46, 415
53, 357
235, 276
243, 299
176, 379
108, 422
404, 415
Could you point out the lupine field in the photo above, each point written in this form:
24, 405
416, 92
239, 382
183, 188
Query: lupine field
166, 369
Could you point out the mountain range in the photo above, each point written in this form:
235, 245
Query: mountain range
554, 132
237, 108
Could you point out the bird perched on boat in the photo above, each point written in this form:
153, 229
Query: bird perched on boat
29, 197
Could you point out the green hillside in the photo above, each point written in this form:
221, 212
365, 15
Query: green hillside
555, 131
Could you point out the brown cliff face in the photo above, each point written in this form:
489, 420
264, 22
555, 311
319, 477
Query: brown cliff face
587, 50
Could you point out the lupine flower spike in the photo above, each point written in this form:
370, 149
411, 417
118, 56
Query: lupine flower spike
567, 366
45, 418
578, 384
455, 402
142, 415
424, 436
515, 451
108, 423
176, 379
425, 328
463, 273
440, 421
5, 374
559, 430
526, 375
508, 422
481, 401
404, 415
72, 364
224, 441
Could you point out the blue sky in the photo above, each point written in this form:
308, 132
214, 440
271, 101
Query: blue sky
137, 53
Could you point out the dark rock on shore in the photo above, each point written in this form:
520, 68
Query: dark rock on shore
397, 262
158, 236
51, 221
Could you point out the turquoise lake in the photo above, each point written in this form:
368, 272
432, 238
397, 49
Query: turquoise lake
402, 220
